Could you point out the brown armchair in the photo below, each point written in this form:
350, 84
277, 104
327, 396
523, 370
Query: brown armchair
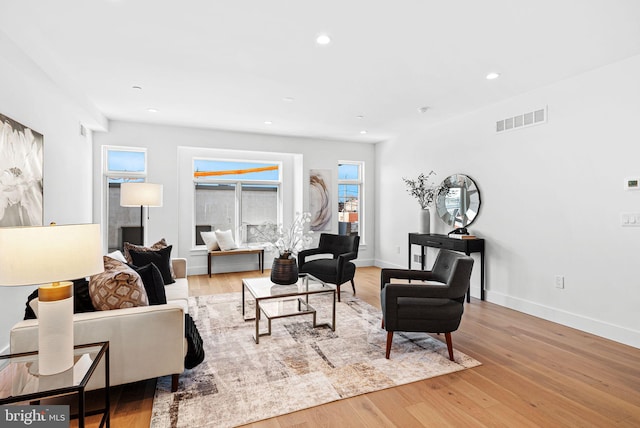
335, 270
434, 303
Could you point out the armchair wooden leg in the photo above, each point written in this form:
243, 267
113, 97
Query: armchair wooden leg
353, 285
389, 340
382, 322
174, 382
449, 345
338, 292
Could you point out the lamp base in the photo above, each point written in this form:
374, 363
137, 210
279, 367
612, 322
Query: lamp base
55, 327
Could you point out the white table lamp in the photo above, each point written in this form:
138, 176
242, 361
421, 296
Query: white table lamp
51, 256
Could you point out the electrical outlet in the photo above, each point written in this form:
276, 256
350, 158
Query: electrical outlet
559, 281
417, 258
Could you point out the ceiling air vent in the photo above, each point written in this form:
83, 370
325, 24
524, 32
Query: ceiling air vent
524, 120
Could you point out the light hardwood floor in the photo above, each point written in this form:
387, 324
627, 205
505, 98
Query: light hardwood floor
534, 373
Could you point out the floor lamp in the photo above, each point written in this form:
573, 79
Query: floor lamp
140, 195
51, 256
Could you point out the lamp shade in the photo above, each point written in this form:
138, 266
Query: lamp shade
37, 255
139, 194
50, 256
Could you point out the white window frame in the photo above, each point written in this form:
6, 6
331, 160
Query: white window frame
107, 174
360, 182
238, 193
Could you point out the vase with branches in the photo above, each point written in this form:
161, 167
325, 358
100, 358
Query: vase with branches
287, 241
426, 192
424, 189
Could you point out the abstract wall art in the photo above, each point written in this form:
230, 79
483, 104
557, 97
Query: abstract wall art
21, 168
320, 199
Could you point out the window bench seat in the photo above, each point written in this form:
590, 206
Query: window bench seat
237, 251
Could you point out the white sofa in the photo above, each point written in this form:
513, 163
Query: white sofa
144, 342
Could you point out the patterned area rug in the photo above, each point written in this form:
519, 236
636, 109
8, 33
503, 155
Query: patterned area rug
297, 367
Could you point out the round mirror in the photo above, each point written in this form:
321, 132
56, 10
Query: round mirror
458, 206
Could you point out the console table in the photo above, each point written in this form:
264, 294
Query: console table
466, 246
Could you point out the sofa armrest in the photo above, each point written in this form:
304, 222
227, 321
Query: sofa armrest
136, 336
179, 267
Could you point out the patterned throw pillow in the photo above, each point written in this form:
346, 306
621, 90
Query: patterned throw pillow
117, 287
161, 244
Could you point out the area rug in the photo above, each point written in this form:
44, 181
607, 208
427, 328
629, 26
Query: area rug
297, 367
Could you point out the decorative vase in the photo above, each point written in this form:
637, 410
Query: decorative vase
425, 221
284, 271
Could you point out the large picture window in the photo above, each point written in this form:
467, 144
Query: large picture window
350, 191
235, 195
122, 165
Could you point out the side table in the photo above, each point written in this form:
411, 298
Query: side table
20, 381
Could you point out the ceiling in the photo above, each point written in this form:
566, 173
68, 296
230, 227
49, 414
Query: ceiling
237, 64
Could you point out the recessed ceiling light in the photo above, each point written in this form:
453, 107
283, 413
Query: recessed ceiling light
423, 109
323, 39
363, 132
268, 122
136, 87
493, 75
288, 99
152, 110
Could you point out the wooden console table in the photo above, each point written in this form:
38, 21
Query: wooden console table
466, 246
237, 251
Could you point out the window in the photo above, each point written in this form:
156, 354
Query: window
350, 185
122, 165
235, 195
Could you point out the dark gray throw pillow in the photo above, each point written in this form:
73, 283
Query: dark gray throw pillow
161, 258
153, 283
81, 299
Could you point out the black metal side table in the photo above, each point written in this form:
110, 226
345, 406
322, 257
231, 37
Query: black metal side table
20, 381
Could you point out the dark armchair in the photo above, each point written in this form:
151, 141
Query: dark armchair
335, 270
433, 303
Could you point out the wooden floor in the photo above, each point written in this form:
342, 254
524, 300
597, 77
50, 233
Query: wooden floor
534, 373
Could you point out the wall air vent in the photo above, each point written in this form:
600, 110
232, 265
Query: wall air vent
524, 120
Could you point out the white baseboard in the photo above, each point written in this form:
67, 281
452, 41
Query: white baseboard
600, 328
243, 267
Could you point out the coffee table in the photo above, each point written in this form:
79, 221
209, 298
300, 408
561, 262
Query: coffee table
281, 301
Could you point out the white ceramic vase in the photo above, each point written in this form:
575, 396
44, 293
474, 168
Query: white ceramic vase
425, 221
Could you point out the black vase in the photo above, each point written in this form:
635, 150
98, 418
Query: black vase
284, 271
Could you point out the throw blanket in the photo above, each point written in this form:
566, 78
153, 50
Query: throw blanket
195, 348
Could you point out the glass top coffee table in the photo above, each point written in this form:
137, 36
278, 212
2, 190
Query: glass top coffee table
280, 301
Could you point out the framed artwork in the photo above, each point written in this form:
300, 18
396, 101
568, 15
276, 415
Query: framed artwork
320, 199
21, 167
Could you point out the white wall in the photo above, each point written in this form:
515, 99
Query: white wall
29, 97
552, 195
164, 144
